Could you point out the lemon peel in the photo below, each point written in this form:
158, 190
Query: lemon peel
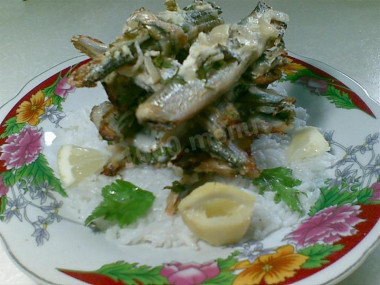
217, 213
306, 142
75, 163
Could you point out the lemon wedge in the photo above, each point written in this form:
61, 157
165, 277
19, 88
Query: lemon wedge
76, 163
306, 142
217, 213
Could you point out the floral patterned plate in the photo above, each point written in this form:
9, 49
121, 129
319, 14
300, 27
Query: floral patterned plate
335, 236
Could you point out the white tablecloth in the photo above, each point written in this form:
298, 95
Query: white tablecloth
35, 35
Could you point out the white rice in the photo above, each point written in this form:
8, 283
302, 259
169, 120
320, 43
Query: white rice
161, 230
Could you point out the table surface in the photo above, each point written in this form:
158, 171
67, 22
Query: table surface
35, 35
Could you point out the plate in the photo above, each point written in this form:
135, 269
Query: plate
324, 247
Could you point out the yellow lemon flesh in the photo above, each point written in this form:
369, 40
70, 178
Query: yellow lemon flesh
217, 213
76, 163
306, 142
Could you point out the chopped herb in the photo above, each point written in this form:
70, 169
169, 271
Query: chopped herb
205, 70
175, 79
177, 187
123, 203
161, 62
160, 155
280, 180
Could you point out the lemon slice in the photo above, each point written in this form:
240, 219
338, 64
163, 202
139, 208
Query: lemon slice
76, 163
217, 213
306, 142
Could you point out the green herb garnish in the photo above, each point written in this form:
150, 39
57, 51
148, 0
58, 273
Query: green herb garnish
281, 181
177, 187
123, 203
162, 62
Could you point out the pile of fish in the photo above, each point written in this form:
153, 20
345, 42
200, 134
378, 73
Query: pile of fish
195, 83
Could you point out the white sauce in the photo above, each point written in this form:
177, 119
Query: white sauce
253, 35
204, 47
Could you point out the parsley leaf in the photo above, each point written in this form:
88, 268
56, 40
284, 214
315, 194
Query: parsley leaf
280, 180
123, 203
